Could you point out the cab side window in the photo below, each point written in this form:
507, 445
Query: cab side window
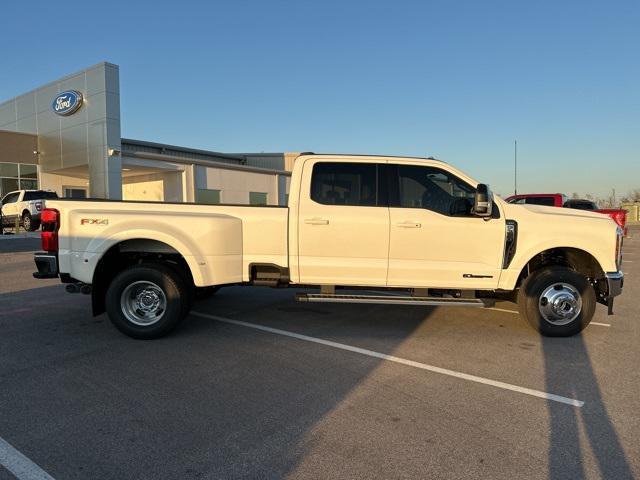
433, 189
11, 198
344, 184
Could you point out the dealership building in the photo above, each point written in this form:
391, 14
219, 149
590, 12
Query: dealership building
65, 136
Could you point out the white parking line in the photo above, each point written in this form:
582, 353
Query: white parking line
503, 310
391, 358
21, 467
517, 313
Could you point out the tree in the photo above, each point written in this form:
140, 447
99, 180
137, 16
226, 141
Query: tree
632, 196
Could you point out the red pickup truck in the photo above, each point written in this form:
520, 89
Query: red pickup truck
559, 200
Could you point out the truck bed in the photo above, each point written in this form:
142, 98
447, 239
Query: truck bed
219, 242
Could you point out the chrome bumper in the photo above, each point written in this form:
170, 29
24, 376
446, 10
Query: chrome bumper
615, 281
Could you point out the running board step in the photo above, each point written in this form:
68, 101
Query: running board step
395, 300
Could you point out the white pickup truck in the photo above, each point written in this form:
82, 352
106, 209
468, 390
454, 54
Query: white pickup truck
24, 207
417, 231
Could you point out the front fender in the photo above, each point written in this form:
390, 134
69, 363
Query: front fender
509, 277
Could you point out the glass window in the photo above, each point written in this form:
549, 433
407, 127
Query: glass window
74, 192
546, 201
8, 185
28, 171
11, 198
434, 189
344, 184
517, 201
28, 184
209, 197
257, 198
39, 195
8, 170
581, 204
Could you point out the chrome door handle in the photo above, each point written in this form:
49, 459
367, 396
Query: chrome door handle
409, 225
316, 221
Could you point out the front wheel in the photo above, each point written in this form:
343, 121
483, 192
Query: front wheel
557, 301
147, 301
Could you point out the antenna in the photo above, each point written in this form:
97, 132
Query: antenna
515, 167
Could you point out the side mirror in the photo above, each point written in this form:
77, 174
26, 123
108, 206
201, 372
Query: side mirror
483, 206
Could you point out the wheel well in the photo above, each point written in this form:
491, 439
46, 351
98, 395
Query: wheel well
25, 211
133, 252
573, 258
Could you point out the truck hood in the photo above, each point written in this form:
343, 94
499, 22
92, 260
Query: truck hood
554, 213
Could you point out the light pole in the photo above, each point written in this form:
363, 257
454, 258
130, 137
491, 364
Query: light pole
515, 167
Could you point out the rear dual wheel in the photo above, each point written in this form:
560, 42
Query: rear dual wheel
557, 301
148, 301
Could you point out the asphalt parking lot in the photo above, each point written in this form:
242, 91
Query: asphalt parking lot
254, 385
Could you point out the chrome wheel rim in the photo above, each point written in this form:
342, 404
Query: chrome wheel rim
26, 223
143, 303
560, 303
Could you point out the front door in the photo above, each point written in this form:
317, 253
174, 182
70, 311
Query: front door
343, 224
10, 208
435, 241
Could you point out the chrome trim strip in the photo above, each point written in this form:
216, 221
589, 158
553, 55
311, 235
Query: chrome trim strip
391, 300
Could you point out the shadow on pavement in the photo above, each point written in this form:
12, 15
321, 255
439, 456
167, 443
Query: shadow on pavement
212, 400
568, 369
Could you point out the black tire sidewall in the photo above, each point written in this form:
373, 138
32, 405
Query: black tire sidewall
25, 217
537, 282
173, 288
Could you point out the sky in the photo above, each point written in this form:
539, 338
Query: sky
458, 80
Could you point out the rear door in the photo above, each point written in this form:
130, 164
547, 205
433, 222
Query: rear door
343, 224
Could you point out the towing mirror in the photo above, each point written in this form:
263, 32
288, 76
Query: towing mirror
483, 206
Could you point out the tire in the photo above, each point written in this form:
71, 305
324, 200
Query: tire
147, 301
27, 223
557, 301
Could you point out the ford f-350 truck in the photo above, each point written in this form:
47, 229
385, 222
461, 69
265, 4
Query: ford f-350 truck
414, 231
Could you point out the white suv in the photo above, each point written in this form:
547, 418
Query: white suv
26, 206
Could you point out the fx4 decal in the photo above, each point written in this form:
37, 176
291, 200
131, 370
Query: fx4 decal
94, 221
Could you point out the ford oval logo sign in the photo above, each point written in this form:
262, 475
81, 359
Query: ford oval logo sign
67, 102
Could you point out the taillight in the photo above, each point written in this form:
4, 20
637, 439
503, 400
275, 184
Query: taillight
620, 218
619, 235
38, 206
50, 221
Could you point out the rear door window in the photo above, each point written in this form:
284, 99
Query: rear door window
353, 184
